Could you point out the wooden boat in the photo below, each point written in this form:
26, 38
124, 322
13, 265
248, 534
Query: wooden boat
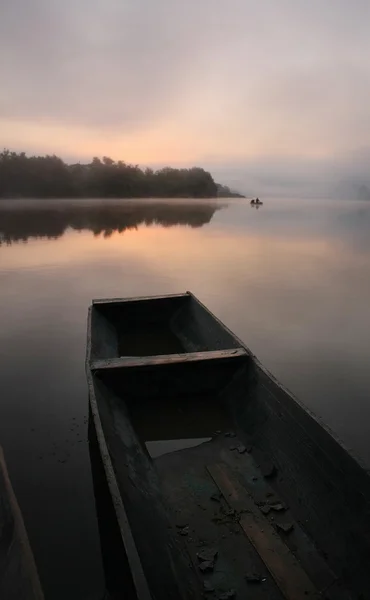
210, 477
18, 574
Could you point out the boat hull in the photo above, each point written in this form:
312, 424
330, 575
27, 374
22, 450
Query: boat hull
18, 573
202, 448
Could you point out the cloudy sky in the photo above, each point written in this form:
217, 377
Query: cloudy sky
234, 84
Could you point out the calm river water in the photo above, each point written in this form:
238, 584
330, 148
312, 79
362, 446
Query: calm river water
292, 279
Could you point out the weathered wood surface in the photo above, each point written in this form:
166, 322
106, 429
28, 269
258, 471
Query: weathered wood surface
199, 330
282, 564
122, 566
114, 324
326, 488
134, 312
19, 579
194, 499
263, 493
167, 359
136, 586
165, 563
110, 322
200, 378
212, 523
102, 339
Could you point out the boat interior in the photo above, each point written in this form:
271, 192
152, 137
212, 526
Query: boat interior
227, 486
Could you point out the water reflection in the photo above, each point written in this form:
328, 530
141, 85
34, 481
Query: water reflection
292, 280
22, 220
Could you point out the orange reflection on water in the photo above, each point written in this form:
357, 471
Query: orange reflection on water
299, 300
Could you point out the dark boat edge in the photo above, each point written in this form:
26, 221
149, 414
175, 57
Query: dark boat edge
292, 397
283, 389
19, 579
139, 582
312, 440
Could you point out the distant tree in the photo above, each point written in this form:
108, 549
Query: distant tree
223, 191
49, 176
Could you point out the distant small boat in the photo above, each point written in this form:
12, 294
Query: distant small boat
193, 441
256, 202
19, 579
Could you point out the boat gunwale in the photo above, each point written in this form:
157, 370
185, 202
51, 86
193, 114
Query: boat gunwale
329, 444
108, 301
133, 557
330, 436
334, 438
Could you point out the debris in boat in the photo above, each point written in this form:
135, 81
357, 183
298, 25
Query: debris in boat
241, 448
207, 555
273, 499
230, 434
207, 586
206, 565
184, 530
217, 432
253, 578
216, 496
217, 519
285, 527
182, 524
227, 595
278, 507
254, 478
266, 509
268, 469
228, 515
260, 501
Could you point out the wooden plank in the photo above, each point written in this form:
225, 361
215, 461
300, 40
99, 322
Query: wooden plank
166, 359
137, 572
325, 487
157, 558
288, 574
138, 299
172, 381
19, 579
298, 541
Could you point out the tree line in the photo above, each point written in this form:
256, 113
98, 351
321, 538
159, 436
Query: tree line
50, 177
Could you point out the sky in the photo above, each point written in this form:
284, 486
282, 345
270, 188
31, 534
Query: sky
262, 92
